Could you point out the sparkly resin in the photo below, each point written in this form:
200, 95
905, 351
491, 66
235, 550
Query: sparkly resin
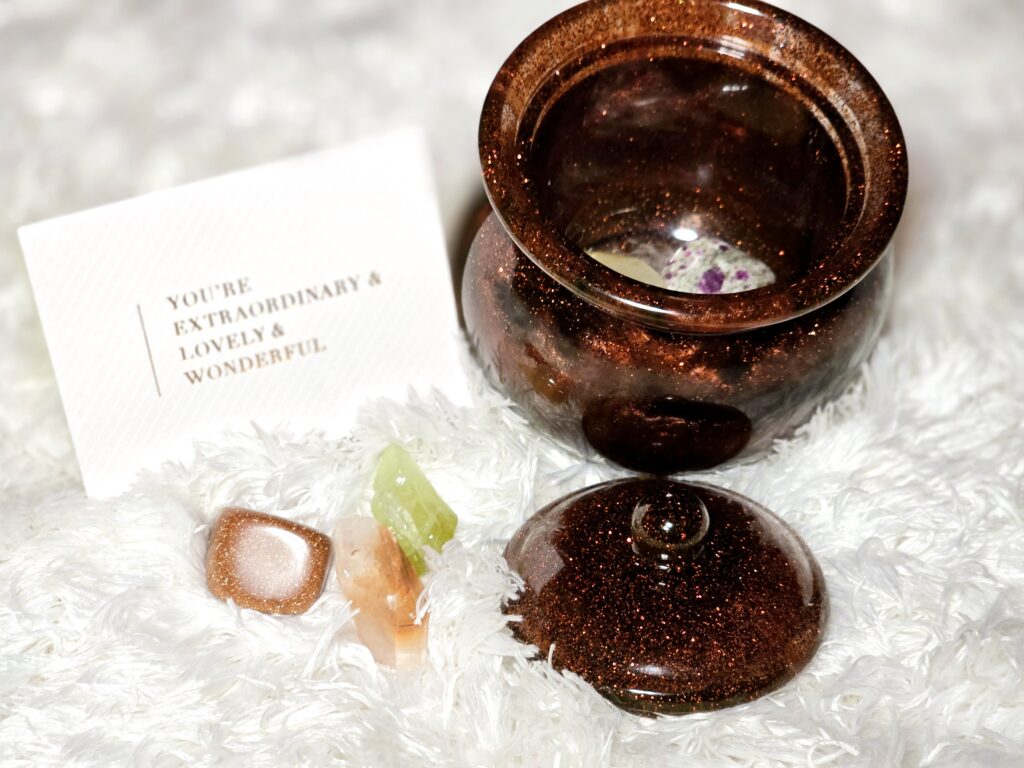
266, 563
667, 597
735, 176
406, 502
382, 586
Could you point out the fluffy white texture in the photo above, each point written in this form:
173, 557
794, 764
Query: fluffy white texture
910, 489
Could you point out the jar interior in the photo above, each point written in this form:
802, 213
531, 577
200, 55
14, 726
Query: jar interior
693, 174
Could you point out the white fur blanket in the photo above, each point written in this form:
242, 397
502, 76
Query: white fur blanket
910, 489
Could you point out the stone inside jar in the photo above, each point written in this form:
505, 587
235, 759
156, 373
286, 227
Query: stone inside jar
691, 263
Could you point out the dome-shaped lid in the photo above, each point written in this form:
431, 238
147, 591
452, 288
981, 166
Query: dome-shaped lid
667, 597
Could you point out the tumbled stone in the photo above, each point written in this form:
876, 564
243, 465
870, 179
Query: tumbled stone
709, 265
266, 563
406, 502
383, 587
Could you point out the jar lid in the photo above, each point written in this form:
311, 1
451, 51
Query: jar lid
667, 597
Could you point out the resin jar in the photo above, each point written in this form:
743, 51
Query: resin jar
693, 204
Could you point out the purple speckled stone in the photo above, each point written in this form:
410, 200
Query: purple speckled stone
711, 281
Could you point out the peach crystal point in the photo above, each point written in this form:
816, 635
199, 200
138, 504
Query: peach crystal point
383, 587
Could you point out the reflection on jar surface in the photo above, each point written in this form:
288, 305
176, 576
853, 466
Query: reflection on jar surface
689, 250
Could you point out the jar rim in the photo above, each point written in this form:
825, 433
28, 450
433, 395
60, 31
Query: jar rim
752, 35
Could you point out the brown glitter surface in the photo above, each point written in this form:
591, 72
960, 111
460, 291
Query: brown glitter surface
622, 588
650, 119
648, 399
266, 563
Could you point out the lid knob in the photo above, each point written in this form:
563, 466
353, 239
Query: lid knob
671, 526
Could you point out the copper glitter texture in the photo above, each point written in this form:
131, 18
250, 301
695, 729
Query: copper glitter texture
688, 250
667, 597
266, 563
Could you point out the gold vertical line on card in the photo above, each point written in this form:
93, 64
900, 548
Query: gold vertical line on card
149, 352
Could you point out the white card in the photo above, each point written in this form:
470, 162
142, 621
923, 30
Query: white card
285, 295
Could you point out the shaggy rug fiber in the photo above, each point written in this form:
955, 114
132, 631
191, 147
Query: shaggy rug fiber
910, 488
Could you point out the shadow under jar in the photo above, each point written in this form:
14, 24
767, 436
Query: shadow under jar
627, 142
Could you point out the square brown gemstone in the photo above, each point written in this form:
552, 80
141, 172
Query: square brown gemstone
266, 563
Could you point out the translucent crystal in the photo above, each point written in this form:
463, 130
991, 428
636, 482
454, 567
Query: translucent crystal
382, 586
406, 502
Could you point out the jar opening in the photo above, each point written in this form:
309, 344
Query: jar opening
690, 173
734, 140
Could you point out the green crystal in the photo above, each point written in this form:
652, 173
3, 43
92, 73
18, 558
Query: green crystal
406, 502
